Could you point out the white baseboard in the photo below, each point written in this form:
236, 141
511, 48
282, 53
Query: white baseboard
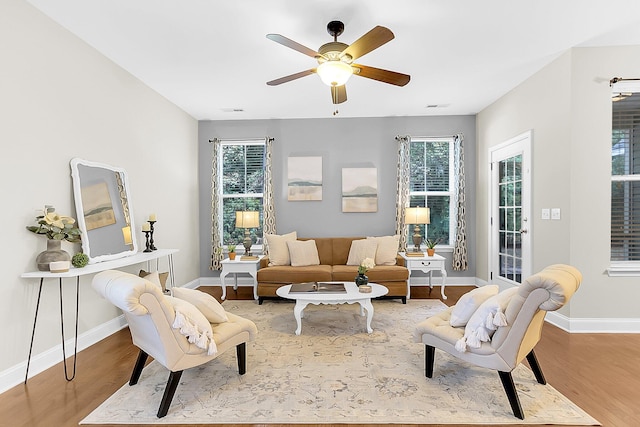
40, 362
586, 325
15, 375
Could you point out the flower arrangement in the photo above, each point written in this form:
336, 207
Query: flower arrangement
55, 226
366, 265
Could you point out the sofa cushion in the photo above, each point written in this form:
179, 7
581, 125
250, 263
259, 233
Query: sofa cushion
282, 274
361, 249
303, 253
387, 249
278, 249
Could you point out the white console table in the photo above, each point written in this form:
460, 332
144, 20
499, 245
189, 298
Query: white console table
138, 258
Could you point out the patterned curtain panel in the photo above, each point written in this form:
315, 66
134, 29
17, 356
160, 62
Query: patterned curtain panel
402, 188
460, 247
269, 220
216, 239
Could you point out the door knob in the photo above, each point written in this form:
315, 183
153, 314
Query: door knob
523, 231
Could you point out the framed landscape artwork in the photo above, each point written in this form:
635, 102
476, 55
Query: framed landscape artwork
304, 179
96, 203
359, 190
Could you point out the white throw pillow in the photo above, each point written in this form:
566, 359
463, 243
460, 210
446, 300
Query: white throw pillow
192, 324
303, 253
469, 303
484, 322
277, 247
387, 249
361, 249
207, 304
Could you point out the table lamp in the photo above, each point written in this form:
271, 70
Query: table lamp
247, 220
418, 215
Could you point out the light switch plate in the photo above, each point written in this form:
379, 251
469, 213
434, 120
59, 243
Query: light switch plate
555, 213
546, 213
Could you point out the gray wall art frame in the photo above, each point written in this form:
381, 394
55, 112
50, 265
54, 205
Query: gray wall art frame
359, 190
304, 178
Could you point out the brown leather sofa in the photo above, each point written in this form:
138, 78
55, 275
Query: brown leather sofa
333, 253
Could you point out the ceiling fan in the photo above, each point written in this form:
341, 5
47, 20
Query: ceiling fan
335, 60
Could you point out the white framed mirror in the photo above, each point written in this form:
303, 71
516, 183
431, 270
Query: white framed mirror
104, 212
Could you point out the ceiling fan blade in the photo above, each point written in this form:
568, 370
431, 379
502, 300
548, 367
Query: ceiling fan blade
293, 45
286, 79
381, 75
338, 94
368, 42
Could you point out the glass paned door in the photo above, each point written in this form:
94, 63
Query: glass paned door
510, 234
510, 215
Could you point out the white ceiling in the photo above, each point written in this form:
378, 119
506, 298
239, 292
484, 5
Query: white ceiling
212, 57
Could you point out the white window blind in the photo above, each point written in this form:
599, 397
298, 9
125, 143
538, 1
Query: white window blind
431, 184
625, 173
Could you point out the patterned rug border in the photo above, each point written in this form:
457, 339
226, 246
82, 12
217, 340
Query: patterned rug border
336, 368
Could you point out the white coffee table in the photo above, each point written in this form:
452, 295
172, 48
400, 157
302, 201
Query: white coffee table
352, 296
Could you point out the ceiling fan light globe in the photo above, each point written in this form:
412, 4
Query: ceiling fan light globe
334, 73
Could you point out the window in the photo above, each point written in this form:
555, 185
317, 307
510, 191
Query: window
241, 185
625, 176
431, 184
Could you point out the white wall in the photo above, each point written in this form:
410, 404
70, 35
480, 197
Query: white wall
62, 99
568, 106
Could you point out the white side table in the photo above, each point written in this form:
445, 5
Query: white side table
426, 264
239, 266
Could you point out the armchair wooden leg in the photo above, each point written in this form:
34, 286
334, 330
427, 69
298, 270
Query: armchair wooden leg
137, 369
241, 353
169, 391
429, 358
535, 367
512, 394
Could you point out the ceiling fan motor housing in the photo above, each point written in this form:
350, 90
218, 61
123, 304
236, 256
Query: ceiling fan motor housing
331, 51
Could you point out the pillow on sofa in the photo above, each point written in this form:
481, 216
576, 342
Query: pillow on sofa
208, 305
156, 278
277, 247
484, 322
303, 252
361, 249
469, 303
387, 249
193, 325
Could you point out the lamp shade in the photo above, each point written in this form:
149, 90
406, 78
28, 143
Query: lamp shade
334, 73
417, 215
247, 219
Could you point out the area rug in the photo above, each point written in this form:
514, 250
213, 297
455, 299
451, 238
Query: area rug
335, 372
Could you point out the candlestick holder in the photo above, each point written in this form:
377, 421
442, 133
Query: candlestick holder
148, 249
151, 245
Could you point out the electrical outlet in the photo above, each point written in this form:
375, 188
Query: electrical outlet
555, 213
546, 213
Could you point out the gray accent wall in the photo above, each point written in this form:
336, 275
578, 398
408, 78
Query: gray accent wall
342, 143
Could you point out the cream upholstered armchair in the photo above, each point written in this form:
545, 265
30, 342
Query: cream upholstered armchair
503, 329
176, 332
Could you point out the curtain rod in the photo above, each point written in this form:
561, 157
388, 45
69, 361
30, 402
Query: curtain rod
428, 137
242, 139
619, 79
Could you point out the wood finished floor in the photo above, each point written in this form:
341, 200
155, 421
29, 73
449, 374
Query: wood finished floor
599, 372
